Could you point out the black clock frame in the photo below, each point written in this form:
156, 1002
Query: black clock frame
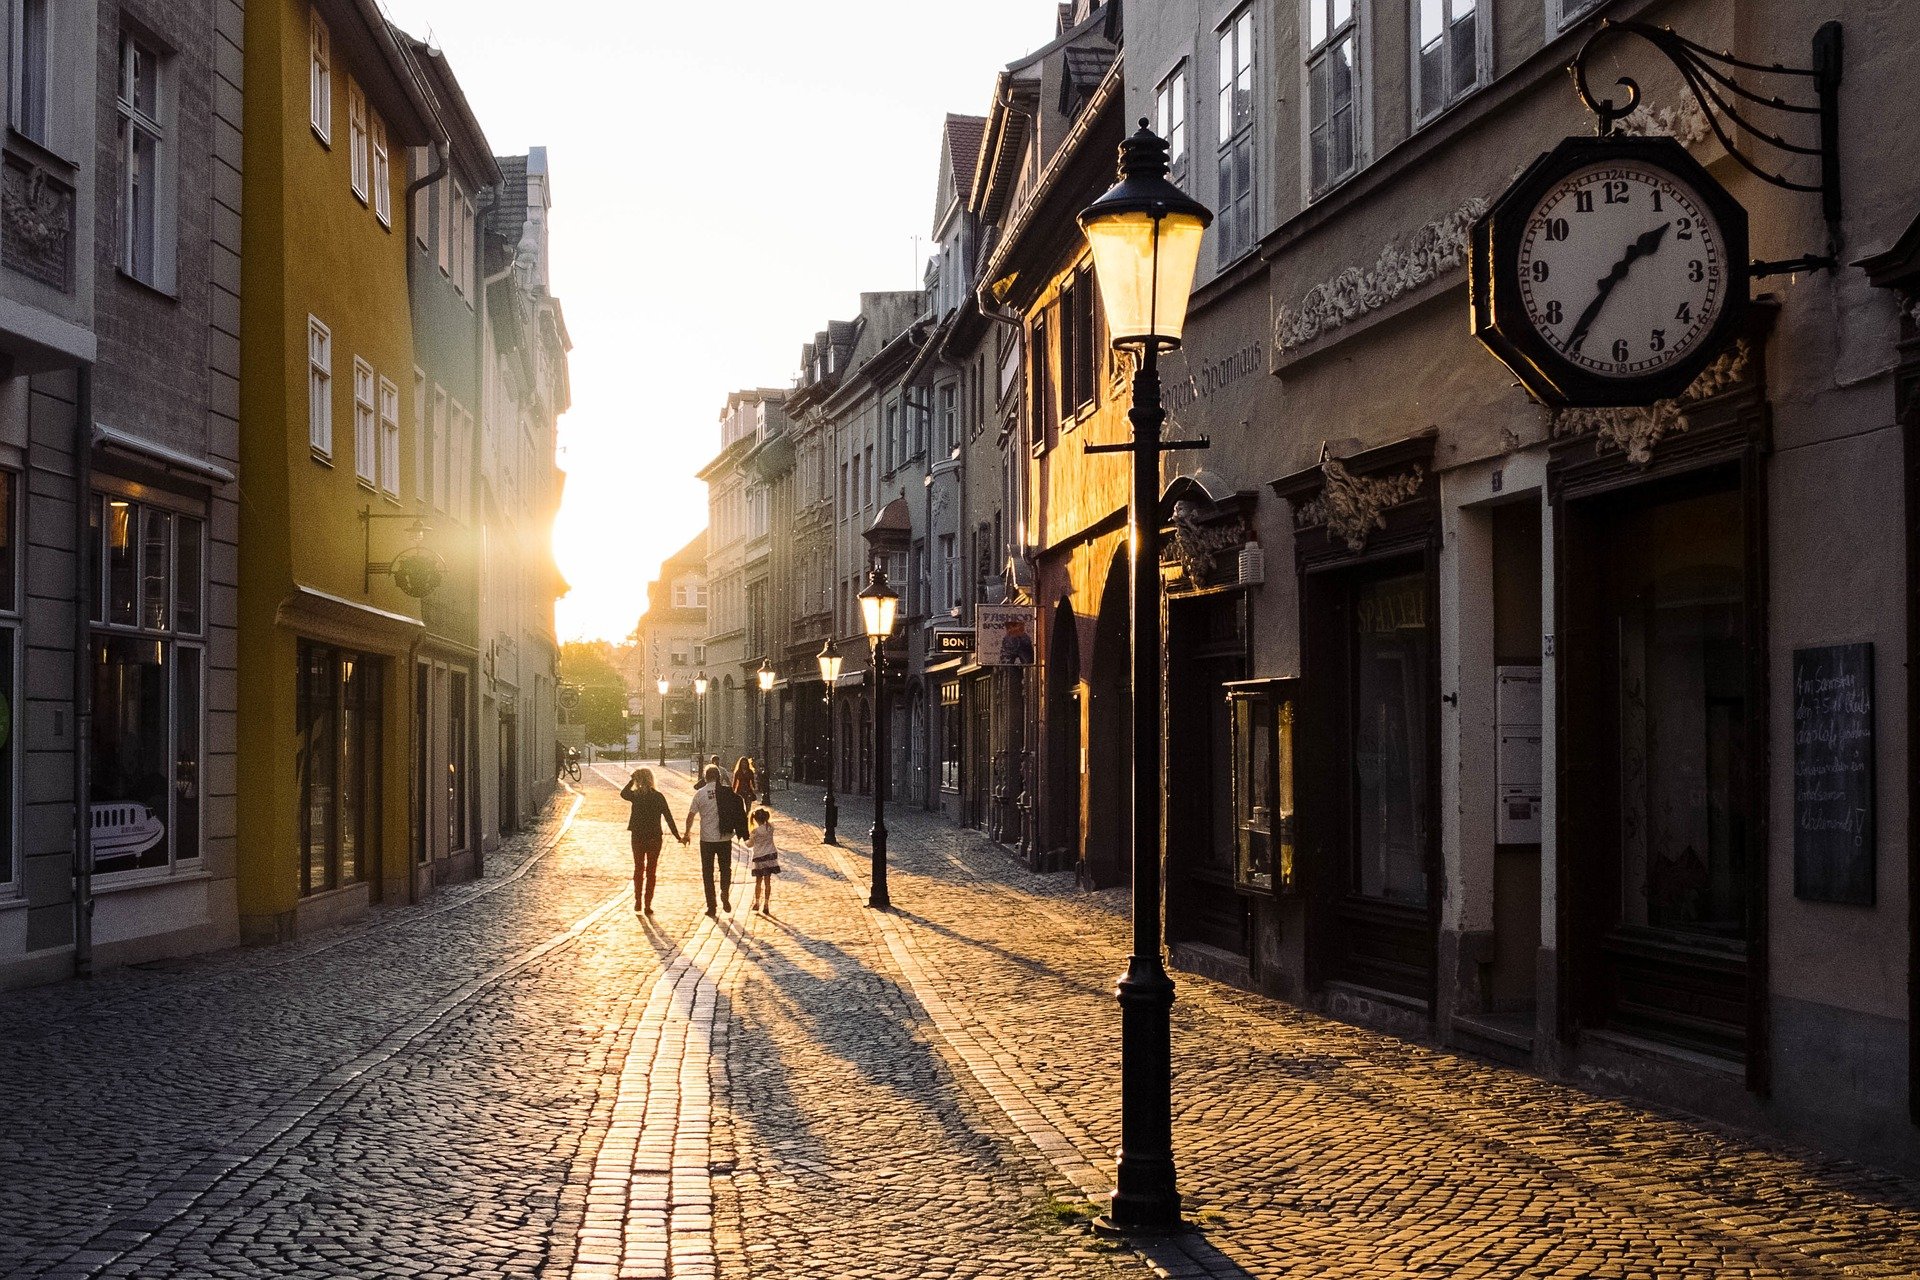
1493, 275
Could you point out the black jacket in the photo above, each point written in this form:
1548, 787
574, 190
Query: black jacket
649, 810
733, 812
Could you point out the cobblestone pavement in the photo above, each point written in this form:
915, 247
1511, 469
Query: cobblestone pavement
522, 1078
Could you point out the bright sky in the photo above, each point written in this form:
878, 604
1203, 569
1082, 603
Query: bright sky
726, 179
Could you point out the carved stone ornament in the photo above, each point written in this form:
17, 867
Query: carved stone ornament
37, 212
1636, 429
1434, 250
1201, 540
1353, 507
1685, 122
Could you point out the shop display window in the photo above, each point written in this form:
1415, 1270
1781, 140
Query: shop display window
1266, 835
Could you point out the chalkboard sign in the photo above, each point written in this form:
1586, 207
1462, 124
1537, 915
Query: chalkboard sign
1833, 838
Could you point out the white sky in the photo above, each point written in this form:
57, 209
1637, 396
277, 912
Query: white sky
727, 178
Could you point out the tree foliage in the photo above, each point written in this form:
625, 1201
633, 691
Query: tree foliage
602, 707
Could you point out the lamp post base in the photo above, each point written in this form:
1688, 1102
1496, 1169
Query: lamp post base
832, 820
1145, 1199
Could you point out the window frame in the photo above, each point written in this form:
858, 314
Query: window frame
319, 76
1482, 58
39, 130
320, 389
1233, 136
1172, 116
161, 208
381, 175
358, 160
1357, 28
366, 464
1562, 15
388, 429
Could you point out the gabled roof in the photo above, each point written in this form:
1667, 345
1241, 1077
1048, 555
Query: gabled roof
1085, 67
470, 148
963, 134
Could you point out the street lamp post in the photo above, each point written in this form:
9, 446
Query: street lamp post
766, 677
1145, 236
878, 604
700, 723
830, 661
663, 684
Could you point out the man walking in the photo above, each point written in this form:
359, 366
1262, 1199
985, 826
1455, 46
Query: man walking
722, 817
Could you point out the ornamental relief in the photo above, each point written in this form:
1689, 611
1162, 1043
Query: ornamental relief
36, 214
1202, 540
1434, 250
1636, 429
1684, 122
1354, 507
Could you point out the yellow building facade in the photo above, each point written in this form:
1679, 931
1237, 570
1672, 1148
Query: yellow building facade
328, 419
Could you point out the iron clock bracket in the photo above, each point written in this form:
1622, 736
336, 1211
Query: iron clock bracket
1711, 78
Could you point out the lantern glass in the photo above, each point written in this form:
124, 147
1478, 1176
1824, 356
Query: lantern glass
700, 686
830, 664
1145, 266
766, 678
662, 686
877, 607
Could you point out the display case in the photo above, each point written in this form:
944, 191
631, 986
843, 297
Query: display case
1265, 834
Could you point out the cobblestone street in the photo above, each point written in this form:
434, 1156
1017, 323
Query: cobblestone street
522, 1078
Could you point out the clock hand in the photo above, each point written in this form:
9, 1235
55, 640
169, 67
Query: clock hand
1640, 248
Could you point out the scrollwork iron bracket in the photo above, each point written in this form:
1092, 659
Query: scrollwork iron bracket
1712, 79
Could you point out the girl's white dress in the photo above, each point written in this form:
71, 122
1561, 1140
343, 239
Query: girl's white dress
766, 858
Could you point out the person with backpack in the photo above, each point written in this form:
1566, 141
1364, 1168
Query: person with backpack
722, 817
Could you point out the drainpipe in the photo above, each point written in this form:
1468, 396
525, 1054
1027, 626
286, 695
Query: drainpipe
417, 818
476, 836
83, 592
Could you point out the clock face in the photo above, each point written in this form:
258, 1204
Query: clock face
1622, 269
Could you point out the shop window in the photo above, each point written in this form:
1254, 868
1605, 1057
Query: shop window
456, 761
1265, 834
337, 763
146, 652
1392, 639
952, 725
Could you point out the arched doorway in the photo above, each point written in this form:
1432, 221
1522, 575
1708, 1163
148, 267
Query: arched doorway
1061, 805
1110, 736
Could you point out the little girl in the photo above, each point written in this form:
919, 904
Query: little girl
766, 860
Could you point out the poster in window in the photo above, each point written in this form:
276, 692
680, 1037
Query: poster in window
1833, 829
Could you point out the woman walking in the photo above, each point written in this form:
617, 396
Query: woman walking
643, 827
746, 783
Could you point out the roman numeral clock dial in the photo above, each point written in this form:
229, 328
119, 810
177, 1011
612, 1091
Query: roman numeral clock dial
1611, 272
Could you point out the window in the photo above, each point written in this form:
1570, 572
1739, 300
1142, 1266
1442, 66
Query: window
141, 203
1235, 156
456, 761
389, 438
382, 171
320, 76
950, 735
949, 575
319, 388
1562, 14
357, 138
32, 70
1046, 411
1170, 122
422, 458
1067, 342
337, 763
1262, 726
1333, 128
9, 651
444, 189
365, 450
422, 197
891, 451
950, 418
1446, 62
437, 455
459, 489
145, 744
1086, 354
867, 474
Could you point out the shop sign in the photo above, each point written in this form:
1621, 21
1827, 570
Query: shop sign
1003, 635
952, 641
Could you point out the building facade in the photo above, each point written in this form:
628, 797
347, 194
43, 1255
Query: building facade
327, 646
670, 644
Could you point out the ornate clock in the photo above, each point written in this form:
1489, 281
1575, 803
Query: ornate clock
1610, 273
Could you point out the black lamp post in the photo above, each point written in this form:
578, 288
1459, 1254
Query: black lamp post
878, 604
766, 677
830, 661
663, 684
1145, 235
700, 725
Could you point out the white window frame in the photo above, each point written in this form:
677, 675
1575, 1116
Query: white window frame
1562, 14
421, 458
444, 218
390, 438
151, 121
437, 457
1356, 27
1172, 105
320, 76
1482, 55
320, 388
33, 116
357, 139
366, 461
1231, 134
382, 175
